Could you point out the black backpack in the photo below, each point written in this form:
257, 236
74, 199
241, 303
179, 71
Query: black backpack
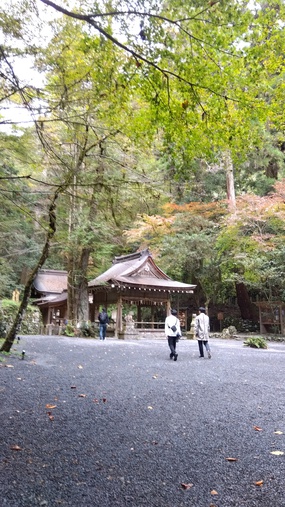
103, 317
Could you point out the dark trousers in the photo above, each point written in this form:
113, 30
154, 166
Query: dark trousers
102, 331
172, 344
201, 343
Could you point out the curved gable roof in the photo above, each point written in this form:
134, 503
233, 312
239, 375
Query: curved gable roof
50, 281
138, 269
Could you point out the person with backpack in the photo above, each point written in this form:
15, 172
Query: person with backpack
202, 328
172, 332
103, 321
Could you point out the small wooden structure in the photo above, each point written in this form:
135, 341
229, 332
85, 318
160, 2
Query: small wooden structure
50, 293
135, 280
271, 317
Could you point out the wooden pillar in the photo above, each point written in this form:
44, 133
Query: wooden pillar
260, 320
152, 316
139, 314
49, 320
186, 320
119, 319
168, 308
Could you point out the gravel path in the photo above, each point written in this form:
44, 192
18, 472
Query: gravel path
129, 427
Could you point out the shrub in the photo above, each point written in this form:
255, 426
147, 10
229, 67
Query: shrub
32, 321
256, 342
69, 330
242, 325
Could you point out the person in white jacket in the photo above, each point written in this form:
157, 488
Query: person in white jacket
172, 332
201, 329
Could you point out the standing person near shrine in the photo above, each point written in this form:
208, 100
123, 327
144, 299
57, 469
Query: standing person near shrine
103, 321
201, 329
172, 332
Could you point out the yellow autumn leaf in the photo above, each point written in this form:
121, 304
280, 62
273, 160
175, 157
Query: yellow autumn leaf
50, 406
278, 432
15, 448
277, 453
259, 483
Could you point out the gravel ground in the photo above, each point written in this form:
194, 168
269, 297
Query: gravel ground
131, 428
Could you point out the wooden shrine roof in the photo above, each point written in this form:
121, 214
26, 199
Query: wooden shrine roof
138, 270
50, 281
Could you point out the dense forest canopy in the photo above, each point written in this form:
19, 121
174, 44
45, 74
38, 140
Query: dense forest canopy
156, 124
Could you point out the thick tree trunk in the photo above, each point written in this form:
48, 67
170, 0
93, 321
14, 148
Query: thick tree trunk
77, 294
245, 305
71, 291
230, 180
27, 291
83, 293
272, 169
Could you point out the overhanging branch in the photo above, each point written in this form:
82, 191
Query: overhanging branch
88, 18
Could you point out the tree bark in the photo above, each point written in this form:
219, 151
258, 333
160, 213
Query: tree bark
27, 290
245, 305
272, 169
71, 290
83, 294
230, 181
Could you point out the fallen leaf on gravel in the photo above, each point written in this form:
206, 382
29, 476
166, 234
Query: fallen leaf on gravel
214, 492
154, 376
150, 408
231, 459
80, 367
104, 400
9, 366
212, 505
51, 417
15, 448
96, 401
72, 387
257, 428
50, 406
258, 483
82, 395
186, 486
277, 453
278, 432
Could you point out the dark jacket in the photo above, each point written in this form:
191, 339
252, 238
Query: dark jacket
103, 318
